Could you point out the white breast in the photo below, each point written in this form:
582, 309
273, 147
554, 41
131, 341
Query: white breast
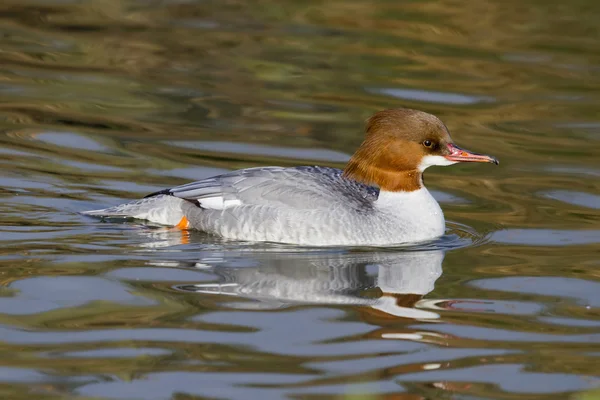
417, 214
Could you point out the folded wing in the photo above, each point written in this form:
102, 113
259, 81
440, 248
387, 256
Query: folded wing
300, 188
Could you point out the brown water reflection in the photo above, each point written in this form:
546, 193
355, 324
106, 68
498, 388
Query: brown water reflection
107, 100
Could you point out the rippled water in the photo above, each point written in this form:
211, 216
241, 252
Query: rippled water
102, 101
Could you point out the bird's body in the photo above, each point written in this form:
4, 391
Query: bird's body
302, 205
379, 199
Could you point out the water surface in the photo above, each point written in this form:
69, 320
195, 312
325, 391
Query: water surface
104, 101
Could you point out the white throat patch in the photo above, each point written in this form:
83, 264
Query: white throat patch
428, 161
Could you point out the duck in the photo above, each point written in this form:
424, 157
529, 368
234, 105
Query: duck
378, 199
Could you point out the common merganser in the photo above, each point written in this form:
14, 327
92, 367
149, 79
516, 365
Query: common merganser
378, 199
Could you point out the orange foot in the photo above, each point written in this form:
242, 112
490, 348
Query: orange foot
182, 226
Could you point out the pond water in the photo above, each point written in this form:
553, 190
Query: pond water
102, 101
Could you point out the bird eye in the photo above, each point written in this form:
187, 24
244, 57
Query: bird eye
427, 143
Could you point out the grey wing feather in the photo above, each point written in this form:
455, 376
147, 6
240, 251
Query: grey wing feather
300, 187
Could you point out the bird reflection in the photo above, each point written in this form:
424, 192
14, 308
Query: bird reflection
388, 283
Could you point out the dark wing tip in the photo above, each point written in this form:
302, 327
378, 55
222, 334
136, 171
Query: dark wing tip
164, 191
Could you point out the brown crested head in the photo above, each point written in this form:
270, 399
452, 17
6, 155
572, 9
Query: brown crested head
399, 145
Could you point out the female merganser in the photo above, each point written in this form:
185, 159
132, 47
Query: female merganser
378, 199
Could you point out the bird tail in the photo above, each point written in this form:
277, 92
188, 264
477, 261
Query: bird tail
160, 209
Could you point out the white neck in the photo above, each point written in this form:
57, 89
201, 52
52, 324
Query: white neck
403, 199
